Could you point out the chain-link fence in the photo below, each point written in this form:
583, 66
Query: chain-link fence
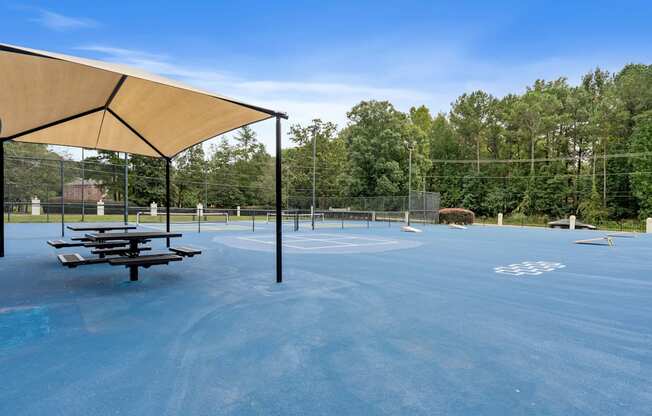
421, 201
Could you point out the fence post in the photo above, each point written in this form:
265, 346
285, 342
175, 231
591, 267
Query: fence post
36, 206
153, 209
500, 219
100, 208
571, 222
648, 226
200, 213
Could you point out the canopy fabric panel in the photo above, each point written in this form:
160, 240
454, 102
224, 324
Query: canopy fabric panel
80, 132
193, 118
33, 95
62, 100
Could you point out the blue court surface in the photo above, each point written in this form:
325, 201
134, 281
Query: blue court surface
483, 321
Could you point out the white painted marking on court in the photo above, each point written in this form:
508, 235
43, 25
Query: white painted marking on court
334, 242
530, 268
255, 240
339, 245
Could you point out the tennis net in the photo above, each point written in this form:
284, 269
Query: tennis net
180, 217
295, 216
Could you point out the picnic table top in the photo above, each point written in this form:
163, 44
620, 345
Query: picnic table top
144, 235
100, 227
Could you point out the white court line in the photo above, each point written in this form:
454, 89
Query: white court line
307, 240
255, 240
323, 241
345, 237
271, 241
338, 244
338, 238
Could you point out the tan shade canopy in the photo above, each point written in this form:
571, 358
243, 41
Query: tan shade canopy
62, 100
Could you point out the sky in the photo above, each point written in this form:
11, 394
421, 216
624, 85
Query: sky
317, 59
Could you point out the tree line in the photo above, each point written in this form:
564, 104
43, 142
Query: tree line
554, 150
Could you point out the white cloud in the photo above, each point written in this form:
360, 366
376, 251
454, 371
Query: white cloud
59, 22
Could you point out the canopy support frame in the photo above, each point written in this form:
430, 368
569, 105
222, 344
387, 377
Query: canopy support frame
136, 132
51, 124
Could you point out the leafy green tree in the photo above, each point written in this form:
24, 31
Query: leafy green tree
470, 117
641, 177
147, 181
31, 170
190, 177
330, 163
376, 139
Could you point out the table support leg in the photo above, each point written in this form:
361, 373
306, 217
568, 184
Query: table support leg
133, 248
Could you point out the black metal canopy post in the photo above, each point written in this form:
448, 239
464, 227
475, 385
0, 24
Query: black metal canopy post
167, 198
126, 208
83, 199
279, 219
2, 196
63, 202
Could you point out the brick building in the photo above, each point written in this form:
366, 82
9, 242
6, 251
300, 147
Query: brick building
93, 192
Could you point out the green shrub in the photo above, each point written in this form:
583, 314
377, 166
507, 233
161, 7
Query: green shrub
456, 216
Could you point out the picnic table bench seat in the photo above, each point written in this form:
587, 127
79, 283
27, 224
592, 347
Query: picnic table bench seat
63, 244
185, 251
133, 263
89, 244
119, 251
73, 260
